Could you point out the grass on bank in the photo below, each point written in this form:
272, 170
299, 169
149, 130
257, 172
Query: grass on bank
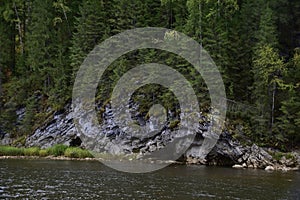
74, 152
11, 151
56, 150
279, 155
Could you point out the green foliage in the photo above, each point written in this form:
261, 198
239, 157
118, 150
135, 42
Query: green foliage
44, 152
32, 151
20, 141
43, 43
279, 155
267, 69
29, 118
174, 124
39, 41
11, 151
57, 150
267, 30
8, 117
75, 152
288, 124
90, 30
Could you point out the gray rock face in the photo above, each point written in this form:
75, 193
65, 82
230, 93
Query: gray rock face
59, 130
112, 139
116, 140
256, 157
231, 153
5, 139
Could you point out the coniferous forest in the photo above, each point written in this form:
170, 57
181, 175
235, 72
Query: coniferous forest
254, 43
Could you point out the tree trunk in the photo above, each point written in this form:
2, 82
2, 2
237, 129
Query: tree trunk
1, 91
0, 86
19, 27
273, 106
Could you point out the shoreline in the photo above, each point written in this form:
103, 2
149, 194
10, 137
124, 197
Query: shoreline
46, 158
64, 158
255, 158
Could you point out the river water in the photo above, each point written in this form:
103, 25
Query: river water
48, 179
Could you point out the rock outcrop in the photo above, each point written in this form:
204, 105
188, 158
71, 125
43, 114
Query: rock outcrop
111, 139
5, 138
231, 153
60, 129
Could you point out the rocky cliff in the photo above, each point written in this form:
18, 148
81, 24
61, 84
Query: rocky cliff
60, 129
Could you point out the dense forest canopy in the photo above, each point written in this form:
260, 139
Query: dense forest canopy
255, 44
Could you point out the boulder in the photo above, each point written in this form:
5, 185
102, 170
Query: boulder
269, 168
236, 166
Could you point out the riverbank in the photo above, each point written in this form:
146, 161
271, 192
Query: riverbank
253, 157
278, 162
54, 152
46, 158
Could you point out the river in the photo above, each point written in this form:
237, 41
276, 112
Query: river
49, 179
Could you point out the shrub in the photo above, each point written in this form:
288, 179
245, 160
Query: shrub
278, 155
21, 140
58, 150
44, 152
32, 151
290, 156
75, 152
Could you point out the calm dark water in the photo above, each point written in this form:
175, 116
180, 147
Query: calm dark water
48, 179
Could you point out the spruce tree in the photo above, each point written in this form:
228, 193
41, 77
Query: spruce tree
7, 65
62, 28
39, 45
247, 26
90, 29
